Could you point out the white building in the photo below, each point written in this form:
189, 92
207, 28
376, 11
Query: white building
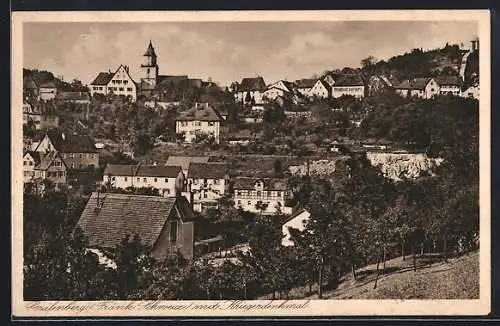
449, 85
304, 86
201, 119
349, 85
419, 87
169, 180
297, 221
472, 92
262, 195
47, 91
207, 182
281, 88
320, 90
251, 91
119, 83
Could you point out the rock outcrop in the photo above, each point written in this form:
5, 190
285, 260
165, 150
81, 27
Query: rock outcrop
399, 166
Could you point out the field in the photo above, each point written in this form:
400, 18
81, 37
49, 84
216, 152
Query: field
456, 279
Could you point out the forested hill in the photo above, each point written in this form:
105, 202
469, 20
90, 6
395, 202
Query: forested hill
417, 62
42, 76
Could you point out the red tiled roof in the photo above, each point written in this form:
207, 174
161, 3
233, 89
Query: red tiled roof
105, 224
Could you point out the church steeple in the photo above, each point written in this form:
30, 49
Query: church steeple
151, 50
149, 67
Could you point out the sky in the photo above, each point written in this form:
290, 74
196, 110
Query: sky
229, 51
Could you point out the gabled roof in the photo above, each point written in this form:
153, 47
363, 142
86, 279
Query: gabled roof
34, 155
269, 183
166, 171
301, 211
252, 84
150, 50
201, 112
107, 220
212, 170
102, 78
69, 143
120, 169
418, 83
185, 161
137, 170
29, 83
349, 80
48, 85
325, 84
42, 160
448, 81
290, 86
305, 83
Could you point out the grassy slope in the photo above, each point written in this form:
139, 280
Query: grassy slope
457, 279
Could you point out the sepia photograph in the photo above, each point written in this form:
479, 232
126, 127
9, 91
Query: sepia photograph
243, 163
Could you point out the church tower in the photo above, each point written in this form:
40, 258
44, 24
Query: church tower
149, 67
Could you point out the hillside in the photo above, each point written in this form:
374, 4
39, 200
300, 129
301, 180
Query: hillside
457, 279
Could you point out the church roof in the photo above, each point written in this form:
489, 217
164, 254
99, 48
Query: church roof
150, 51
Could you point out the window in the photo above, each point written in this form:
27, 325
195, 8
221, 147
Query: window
71, 155
121, 89
125, 178
205, 194
166, 179
155, 179
138, 179
258, 194
173, 231
30, 163
216, 181
239, 202
167, 191
25, 163
125, 82
144, 179
197, 123
211, 123
129, 89
249, 203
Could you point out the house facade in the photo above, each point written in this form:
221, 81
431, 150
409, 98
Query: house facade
296, 221
47, 91
119, 83
320, 90
38, 167
166, 225
77, 151
168, 180
449, 85
207, 183
471, 92
251, 91
262, 195
304, 86
349, 85
418, 87
201, 119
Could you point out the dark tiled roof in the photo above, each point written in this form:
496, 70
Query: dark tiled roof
120, 169
349, 80
166, 80
120, 215
34, 155
150, 50
70, 143
142, 170
306, 83
203, 112
184, 161
294, 215
166, 171
252, 84
448, 81
269, 183
48, 85
212, 170
29, 83
196, 83
103, 78
415, 83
